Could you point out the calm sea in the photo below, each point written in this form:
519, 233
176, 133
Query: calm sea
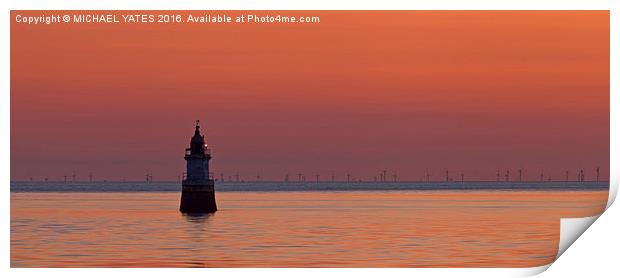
272, 224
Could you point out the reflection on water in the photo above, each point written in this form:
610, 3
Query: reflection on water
295, 229
197, 217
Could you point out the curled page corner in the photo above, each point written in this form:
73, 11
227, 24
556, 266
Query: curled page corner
571, 229
613, 192
532, 271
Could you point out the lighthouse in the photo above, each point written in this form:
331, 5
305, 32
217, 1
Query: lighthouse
198, 192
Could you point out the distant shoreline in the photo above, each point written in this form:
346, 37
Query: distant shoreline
308, 182
267, 186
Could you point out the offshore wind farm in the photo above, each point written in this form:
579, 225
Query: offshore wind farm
346, 182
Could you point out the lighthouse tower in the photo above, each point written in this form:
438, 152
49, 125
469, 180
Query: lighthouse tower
198, 193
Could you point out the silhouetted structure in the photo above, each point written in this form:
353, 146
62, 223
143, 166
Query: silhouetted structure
198, 191
542, 175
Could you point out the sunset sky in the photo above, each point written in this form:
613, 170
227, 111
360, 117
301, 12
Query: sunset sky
466, 91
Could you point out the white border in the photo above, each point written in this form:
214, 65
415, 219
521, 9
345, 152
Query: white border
8, 5
614, 103
314, 5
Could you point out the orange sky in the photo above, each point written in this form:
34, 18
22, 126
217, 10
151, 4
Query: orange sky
469, 91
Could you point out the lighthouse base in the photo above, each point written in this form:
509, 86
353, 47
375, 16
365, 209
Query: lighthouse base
198, 197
